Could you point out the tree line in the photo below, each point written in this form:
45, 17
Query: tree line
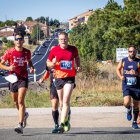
109, 28
42, 19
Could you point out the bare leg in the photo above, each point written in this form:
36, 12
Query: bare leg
127, 101
21, 97
15, 99
66, 100
135, 110
54, 104
60, 96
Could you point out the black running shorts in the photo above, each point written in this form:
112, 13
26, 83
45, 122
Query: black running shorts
60, 82
20, 83
133, 92
53, 91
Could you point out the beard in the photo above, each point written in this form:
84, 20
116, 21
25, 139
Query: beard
132, 57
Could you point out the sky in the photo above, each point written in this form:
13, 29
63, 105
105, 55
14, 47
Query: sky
62, 10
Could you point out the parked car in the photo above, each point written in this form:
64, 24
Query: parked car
47, 40
36, 53
2, 72
44, 44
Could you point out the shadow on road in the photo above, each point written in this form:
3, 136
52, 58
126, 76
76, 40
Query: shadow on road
75, 132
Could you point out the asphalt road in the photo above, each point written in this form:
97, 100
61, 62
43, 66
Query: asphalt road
74, 134
87, 123
39, 62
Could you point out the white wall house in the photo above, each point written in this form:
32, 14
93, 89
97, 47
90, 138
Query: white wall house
7, 32
6, 29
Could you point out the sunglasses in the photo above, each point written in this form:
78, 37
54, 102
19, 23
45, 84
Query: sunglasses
20, 39
132, 51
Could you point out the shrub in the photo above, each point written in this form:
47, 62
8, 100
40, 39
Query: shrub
9, 44
4, 39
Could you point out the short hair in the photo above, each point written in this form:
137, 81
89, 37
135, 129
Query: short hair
20, 34
133, 46
63, 33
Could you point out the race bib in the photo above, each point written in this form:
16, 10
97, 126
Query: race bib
131, 81
67, 65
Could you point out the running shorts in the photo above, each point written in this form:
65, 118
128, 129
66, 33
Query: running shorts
133, 92
20, 83
53, 91
60, 82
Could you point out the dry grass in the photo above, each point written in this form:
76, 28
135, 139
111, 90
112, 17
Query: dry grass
104, 90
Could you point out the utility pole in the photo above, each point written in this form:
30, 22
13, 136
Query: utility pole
37, 34
38, 27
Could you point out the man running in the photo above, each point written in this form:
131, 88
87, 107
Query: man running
66, 57
130, 83
18, 58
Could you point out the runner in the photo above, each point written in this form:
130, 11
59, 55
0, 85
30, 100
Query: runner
66, 57
18, 58
130, 83
53, 96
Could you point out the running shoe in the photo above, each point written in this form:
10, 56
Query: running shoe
25, 119
60, 129
135, 125
67, 126
19, 129
129, 114
139, 119
55, 128
67, 122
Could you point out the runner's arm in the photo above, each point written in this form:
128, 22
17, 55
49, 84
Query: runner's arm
50, 64
77, 61
44, 77
31, 66
119, 71
4, 67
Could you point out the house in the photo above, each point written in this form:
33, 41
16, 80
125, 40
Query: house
80, 19
7, 32
30, 24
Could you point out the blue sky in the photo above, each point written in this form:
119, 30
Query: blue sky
63, 10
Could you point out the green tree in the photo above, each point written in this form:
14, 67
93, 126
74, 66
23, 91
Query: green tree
47, 20
51, 22
41, 19
2, 24
9, 22
56, 23
108, 29
37, 33
29, 19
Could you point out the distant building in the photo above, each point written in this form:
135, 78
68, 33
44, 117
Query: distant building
7, 32
30, 24
82, 18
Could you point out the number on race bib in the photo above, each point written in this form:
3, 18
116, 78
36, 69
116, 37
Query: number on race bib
131, 81
67, 65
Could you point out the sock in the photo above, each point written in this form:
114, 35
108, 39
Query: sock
135, 114
69, 113
21, 124
62, 124
55, 115
129, 108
